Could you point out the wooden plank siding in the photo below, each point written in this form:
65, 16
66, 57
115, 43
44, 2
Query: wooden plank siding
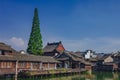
24, 65
36, 65
12, 60
7, 67
51, 66
44, 66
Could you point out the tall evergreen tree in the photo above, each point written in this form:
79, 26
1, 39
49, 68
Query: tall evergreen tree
35, 40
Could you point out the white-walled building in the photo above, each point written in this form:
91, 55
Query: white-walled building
89, 54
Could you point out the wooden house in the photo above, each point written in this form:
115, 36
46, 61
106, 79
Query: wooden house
10, 61
72, 60
53, 49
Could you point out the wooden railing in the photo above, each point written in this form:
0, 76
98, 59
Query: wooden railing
45, 72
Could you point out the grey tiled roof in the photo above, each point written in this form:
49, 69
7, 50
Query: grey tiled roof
4, 46
117, 54
74, 57
27, 57
105, 56
7, 58
93, 59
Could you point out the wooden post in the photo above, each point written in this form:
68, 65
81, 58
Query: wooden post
40, 65
48, 66
79, 65
16, 70
55, 66
31, 65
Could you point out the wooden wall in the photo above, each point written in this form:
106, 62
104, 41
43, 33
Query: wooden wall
7, 64
9, 67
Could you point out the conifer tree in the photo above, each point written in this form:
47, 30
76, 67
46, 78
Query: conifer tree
35, 40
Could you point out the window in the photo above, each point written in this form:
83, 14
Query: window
1, 52
9, 65
3, 64
28, 65
36, 65
6, 64
22, 65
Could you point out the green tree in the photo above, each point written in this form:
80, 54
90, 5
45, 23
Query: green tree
35, 40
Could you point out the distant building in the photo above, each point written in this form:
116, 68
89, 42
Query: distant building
90, 54
116, 57
107, 58
106, 63
53, 49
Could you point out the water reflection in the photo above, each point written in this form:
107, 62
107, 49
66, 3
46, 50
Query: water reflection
87, 76
93, 76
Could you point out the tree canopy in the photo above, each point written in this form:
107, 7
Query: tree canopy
35, 43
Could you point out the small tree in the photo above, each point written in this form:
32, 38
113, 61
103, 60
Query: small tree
35, 40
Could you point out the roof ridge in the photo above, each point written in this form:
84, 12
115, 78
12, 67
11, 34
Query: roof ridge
53, 43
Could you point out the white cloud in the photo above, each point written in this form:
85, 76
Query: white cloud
103, 44
19, 42
15, 42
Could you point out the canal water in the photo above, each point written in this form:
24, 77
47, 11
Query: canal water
87, 76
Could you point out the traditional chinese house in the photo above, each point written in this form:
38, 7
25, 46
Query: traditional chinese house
53, 49
11, 60
72, 60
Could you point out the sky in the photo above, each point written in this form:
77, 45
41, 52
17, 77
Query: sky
79, 24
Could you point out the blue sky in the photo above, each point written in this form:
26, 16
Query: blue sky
79, 24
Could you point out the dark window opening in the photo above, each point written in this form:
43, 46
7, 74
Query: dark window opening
2, 52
